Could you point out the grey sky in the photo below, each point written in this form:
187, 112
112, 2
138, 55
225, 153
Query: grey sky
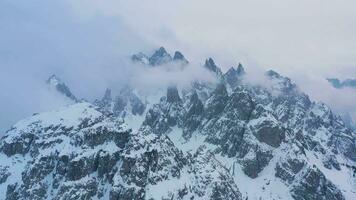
85, 42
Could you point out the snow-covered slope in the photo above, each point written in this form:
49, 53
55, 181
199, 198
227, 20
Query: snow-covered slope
220, 140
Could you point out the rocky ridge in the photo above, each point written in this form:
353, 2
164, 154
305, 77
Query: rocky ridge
221, 140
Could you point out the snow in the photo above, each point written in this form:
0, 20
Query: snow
184, 145
16, 165
265, 186
66, 116
163, 188
343, 179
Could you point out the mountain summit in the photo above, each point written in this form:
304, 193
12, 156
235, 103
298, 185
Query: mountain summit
159, 57
61, 87
337, 83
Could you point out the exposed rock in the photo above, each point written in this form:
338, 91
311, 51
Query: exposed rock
4, 174
253, 164
216, 103
287, 170
314, 185
234, 76
173, 95
194, 115
140, 58
194, 143
160, 57
61, 87
211, 66
270, 133
179, 57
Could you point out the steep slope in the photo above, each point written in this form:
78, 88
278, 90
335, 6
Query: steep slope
79, 153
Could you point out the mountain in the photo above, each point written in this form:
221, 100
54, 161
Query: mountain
211, 66
56, 83
234, 76
159, 57
337, 83
224, 139
179, 57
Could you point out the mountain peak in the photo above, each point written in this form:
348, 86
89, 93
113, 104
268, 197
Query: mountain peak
178, 56
273, 74
140, 58
61, 87
231, 70
159, 57
240, 69
337, 83
53, 80
233, 76
211, 66
107, 95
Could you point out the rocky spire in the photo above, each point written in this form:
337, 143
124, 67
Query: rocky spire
211, 66
240, 69
61, 87
178, 56
107, 96
337, 83
273, 74
140, 58
172, 94
216, 103
160, 57
233, 76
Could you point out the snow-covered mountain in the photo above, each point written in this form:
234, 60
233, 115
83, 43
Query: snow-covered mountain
224, 139
159, 57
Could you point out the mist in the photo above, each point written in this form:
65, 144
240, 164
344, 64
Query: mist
87, 43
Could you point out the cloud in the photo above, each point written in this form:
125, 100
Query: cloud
87, 43
318, 88
160, 77
39, 38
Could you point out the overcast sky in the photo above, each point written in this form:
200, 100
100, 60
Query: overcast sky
86, 43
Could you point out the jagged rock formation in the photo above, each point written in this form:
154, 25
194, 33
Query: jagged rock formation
220, 140
179, 57
141, 58
77, 152
61, 87
233, 76
337, 83
211, 66
160, 57
127, 102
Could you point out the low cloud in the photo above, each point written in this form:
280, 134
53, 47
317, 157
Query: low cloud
41, 38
